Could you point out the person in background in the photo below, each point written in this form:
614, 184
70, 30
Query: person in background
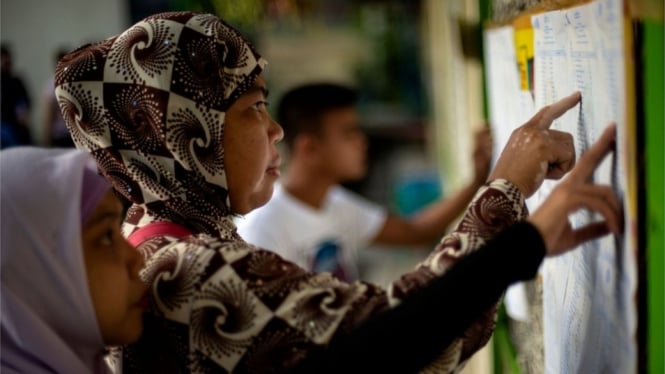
174, 112
54, 126
70, 283
15, 104
318, 224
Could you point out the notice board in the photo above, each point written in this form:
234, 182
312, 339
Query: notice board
590, 307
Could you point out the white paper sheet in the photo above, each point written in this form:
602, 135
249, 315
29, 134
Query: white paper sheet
502, 84
508, 108
589, 312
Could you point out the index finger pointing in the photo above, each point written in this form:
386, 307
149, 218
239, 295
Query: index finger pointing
556, 110
595, 154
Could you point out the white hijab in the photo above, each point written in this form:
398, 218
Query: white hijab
48, 319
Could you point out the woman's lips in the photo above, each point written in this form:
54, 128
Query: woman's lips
273, 171
273, 168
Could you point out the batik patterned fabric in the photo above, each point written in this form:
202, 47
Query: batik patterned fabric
149, 104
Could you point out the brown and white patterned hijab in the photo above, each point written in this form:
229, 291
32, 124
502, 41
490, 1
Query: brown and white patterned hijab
149, 104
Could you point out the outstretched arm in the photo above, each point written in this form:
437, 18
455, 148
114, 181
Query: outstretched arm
409, 337
432, 222
550, 155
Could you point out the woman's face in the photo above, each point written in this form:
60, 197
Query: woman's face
250, 153
112, 266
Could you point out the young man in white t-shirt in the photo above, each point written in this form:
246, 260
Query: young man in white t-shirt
316, 223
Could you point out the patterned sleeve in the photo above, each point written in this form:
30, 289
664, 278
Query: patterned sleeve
495, 207
229, 307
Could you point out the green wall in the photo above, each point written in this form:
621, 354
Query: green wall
655, 204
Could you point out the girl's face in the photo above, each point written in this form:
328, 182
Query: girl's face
250, 154
112, 267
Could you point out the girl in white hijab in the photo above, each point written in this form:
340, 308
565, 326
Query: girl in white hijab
70, 282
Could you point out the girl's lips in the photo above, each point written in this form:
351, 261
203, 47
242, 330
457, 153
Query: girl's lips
143, 302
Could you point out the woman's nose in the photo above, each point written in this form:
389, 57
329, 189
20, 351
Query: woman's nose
277, 131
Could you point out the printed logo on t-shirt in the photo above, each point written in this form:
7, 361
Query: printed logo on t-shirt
327, 259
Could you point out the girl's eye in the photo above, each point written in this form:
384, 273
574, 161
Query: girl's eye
107, 238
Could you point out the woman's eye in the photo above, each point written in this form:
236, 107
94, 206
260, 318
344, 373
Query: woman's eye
260, 105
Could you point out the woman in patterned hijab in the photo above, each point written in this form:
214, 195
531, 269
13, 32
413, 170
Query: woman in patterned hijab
173, 110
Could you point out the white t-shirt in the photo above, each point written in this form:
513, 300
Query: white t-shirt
321, 240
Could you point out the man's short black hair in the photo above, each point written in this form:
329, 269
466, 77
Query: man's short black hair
300, 110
